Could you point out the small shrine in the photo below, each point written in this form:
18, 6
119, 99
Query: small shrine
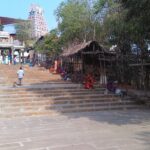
88, 58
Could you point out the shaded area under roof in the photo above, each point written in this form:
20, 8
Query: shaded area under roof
7, 20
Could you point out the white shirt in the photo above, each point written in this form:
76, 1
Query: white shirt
118, 91
20, 73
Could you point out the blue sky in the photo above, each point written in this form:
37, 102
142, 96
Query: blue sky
20, 8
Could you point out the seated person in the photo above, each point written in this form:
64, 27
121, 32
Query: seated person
89, 82
111, 86
121, 92
64, 75
51, 69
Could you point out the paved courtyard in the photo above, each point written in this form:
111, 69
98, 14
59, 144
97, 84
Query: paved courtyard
105, 130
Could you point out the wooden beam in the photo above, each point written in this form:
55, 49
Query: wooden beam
107, 59
135, 65
92, 52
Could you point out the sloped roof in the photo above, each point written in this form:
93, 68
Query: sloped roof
77, 48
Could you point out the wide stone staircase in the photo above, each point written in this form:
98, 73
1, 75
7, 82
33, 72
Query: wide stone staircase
46, 94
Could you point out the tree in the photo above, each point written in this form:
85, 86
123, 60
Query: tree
126, 23
138, 16
49, 44
114, 31
75, 21
23, 32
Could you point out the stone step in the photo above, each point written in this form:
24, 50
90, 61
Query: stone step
101, 108
39, 87
59, 97
51, 106
29, 114
81, 109
50, 101
48, 93
52, 95
90, 104
58, 101
42, 88
45, 94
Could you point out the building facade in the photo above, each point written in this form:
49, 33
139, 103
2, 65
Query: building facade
10, 48
36, 15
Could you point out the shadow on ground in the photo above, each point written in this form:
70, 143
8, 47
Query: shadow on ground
145, 137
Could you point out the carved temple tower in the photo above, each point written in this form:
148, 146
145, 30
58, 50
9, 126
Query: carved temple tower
36, 15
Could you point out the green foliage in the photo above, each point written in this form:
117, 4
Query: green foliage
77, 21
74, 20
49, 44
138, 15
129, 23
23, 32
99, 5
126, 22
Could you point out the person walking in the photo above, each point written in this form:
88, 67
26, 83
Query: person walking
20, 74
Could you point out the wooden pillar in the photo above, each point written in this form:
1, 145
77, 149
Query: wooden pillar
20, 56
82, 61
12, 54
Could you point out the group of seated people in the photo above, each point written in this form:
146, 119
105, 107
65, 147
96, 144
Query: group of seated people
88, 80
112, 86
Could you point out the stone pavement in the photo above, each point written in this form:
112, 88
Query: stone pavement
105, 130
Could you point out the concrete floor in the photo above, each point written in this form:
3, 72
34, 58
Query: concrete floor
105, 130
